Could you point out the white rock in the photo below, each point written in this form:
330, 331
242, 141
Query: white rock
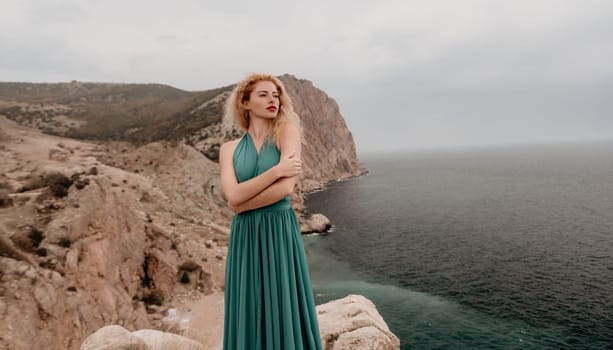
176, 321
158, 340
113, 338
315, 223
118, 338
353, 322
365, 338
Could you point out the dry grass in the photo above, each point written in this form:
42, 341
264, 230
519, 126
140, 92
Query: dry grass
130, 112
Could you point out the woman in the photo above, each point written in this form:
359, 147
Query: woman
268, 296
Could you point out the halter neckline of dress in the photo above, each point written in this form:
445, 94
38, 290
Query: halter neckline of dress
266, 141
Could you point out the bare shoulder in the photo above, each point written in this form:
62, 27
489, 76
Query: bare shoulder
228, 147
290, 138
289, 133
290, 129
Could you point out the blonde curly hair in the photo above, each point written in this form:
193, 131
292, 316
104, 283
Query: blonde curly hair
236, 112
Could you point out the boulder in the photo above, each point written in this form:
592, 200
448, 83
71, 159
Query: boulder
354, 323
115, 337
158, 340
316, 223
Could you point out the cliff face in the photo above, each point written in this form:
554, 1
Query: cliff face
328, 148
112, 232
93, 234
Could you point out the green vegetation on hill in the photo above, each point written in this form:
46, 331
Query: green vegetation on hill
131, 112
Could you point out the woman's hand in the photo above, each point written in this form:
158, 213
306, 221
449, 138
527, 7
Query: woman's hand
290, 166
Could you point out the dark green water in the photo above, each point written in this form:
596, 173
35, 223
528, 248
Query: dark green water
508, 248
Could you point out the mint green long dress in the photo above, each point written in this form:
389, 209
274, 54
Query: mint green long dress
268, 295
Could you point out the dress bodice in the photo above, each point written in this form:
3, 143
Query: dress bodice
249, 163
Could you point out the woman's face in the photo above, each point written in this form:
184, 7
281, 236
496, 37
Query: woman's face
263, 101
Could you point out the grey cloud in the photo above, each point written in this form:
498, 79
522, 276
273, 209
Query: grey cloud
42, 12
406, 74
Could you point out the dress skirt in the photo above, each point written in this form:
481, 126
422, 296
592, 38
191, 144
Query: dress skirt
268, 297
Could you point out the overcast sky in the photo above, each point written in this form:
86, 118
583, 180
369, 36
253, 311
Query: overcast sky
406, 74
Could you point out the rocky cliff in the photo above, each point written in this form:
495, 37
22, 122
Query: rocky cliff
120, 230
92, 234
328, 149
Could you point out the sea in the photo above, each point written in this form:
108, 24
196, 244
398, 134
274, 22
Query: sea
507, 247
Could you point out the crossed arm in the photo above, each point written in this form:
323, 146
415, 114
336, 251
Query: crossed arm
268, 187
